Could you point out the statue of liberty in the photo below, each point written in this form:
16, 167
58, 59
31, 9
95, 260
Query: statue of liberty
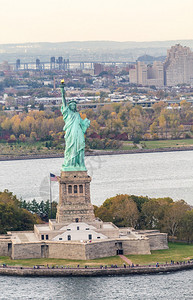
74, 129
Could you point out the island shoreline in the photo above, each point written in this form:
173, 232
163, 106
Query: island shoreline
94, 272
97, 153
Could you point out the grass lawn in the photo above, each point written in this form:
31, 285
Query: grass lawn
176, 252
39, 148
128, 146
116, 260
167, 143
26, 148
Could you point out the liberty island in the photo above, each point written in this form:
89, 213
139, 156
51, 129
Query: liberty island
76, 233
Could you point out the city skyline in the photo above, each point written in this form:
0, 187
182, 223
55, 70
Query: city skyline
72, 20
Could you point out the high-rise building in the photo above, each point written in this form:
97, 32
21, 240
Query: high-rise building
147, 74
155, 74
141, 73
98, 68
178, 67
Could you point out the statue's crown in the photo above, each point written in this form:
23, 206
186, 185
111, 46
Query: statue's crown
72, 101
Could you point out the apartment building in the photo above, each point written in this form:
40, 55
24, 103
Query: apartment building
147, 75
178, 67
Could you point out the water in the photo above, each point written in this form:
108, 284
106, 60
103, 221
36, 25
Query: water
152, 174
172, 286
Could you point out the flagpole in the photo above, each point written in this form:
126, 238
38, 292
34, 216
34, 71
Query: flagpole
50, 200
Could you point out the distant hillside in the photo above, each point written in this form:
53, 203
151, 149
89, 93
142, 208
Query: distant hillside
88, 50
150, 59
97, 45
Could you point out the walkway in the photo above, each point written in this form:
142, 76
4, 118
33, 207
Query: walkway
128, 261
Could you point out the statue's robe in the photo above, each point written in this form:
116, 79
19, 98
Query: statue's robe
74, 129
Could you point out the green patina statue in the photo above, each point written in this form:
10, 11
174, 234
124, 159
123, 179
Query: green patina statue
74, 128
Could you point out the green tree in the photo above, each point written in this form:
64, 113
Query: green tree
174, 216
153, 212
12, 216
185, 231
121, 210
42, 209
41, 107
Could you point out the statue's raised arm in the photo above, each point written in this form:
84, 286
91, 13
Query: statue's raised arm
63, 93
74, 129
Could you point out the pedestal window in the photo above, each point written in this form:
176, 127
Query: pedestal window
75, 189
69, 189
81, 189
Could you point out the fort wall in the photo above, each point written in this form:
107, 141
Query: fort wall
157, 240
65, 250
5, 247
134, 246
26, 250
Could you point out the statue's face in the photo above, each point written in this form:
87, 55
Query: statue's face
72, 106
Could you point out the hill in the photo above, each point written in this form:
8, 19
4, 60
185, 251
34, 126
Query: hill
87, 50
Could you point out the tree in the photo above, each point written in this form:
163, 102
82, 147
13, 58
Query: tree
105, 113
175, 218
158, 107
27, 125
163, 124
174, 215
160, 94
12, 216
25, 109
6, 124
22, 137
12, 138
33, 136
42, 209
186, 111
121, 210
126, 214
136, 123
153, 212
16, 121
10, 101
41, 107
94, 126
185, 231
116, 107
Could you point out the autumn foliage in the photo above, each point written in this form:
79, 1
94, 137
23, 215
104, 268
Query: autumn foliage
114, 121
172, 217
34, 125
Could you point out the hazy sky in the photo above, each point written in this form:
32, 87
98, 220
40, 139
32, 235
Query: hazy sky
81, 20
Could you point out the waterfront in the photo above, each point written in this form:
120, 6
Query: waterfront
172, 286
152, 174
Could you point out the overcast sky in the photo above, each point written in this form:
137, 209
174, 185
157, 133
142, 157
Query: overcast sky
83, 20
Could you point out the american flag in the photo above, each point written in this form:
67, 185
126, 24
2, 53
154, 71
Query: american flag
53, 177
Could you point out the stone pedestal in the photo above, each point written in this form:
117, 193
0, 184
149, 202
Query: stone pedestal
74, 198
